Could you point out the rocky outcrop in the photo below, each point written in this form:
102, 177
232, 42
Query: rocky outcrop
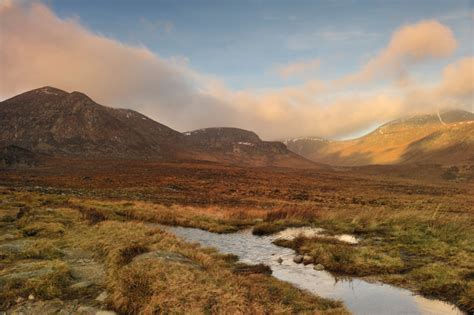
169, 257
14, 156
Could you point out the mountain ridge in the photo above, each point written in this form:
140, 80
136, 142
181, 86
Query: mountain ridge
437, 138
51, 121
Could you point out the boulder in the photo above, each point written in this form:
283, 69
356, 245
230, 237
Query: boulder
102, 297
10, 250
86, 310
298, 259
308, 260
166, 256
54, 306
25, 275
82, 285
318, 267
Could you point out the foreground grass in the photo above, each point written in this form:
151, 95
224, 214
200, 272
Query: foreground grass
424, 244
147, 270
425, 247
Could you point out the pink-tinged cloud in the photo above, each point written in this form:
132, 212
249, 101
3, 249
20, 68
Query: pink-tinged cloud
42, 49
409, 45
458, 79
38, 49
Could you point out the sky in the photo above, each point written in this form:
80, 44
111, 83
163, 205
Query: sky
333, 69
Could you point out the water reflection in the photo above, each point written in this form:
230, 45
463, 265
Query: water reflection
359, 296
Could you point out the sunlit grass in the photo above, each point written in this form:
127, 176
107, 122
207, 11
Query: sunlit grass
199, 280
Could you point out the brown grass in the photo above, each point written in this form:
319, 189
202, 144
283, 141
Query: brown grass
404, 224
201, 281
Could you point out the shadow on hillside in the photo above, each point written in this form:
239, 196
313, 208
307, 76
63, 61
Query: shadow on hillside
356, 158
418, 152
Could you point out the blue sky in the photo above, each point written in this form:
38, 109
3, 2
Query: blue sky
242, 41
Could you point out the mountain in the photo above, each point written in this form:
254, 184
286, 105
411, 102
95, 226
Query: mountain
54, 122
242, 146
444, 138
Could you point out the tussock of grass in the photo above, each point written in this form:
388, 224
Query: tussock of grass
210, 218
44, 279
266, 228
125, 254
299, 213
42, 249
207, 283
43, 229
92, 215
346, 259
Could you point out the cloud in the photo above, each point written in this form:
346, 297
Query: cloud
458, 79
5, 4
39, 48
409, 45
456, 89
300, 68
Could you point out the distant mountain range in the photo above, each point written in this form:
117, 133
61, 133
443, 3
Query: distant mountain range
443, 138
49, 121
53, 122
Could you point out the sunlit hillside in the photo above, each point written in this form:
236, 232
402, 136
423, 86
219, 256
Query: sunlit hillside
445, 139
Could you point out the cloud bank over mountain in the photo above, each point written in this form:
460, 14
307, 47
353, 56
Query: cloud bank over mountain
40, 48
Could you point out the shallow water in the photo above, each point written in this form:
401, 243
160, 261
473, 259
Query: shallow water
359, 296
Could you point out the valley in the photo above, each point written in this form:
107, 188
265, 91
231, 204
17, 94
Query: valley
412, 234
101, 210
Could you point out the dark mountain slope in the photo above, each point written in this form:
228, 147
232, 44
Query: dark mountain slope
234, 145
53, 121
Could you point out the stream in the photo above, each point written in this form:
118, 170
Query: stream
359, 296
